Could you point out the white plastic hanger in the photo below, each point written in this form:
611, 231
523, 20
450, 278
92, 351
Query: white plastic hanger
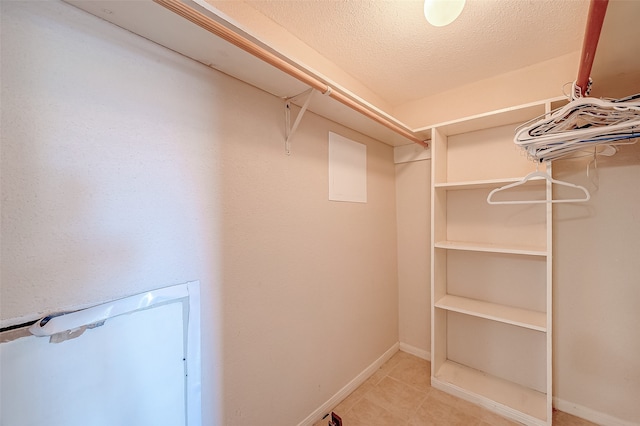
579, 125
536, 174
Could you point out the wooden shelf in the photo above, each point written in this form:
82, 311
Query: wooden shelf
483, 184
492, 311
499, 257
491, 248
516, 114
515, 401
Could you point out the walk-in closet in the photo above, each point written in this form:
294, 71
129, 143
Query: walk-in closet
320, 212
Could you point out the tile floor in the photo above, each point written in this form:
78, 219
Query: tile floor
400, 394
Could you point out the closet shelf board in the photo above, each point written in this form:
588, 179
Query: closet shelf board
516, 114
491, 248
492, 392
482, 184
492, 311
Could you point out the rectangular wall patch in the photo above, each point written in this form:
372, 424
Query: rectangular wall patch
347, 169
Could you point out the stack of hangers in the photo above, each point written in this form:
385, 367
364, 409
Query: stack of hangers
584, 124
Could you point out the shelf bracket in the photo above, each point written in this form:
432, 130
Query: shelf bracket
289, 129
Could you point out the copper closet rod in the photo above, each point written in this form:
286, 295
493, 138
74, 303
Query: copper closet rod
225, 33
595, 19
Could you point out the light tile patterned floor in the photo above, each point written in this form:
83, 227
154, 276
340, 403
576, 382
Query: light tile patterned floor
400, 394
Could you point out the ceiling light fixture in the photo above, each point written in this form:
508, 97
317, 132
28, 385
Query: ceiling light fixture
442, 12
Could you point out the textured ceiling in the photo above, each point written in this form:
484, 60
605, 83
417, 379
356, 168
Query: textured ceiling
389, 47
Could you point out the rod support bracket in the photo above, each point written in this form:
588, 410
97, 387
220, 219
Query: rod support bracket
291, 129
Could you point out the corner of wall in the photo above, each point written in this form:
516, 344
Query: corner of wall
426, 355
350, 387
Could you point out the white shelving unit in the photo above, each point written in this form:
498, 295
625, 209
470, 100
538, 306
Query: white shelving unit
491, 268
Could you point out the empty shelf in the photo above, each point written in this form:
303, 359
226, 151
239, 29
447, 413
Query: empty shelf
485, 388
492, 248
484, 184
496, 312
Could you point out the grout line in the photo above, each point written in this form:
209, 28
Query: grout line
415, 412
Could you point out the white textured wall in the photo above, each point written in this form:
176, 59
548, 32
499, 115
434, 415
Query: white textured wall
414, 255
126, 167
596, 304
108, 183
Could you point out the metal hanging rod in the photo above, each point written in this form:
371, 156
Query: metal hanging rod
595, 18
238, 40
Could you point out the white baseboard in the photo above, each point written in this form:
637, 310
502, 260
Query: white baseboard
420, 353
349, 387
589, 414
